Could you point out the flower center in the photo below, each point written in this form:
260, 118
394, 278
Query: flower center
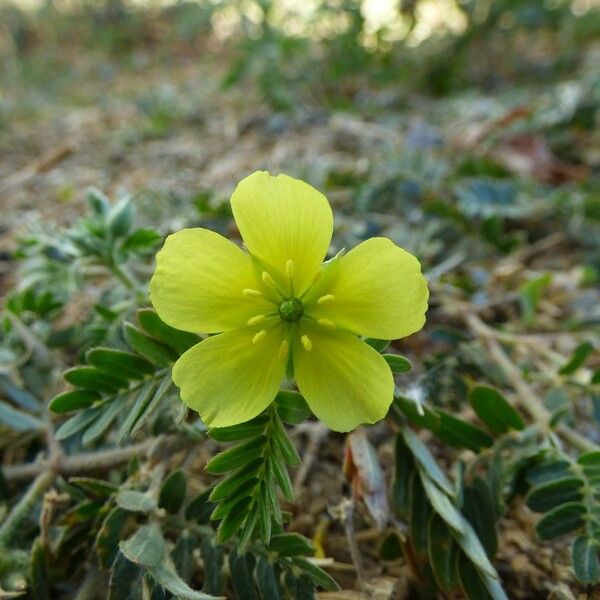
291, 309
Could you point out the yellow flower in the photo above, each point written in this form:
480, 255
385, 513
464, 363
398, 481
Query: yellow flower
280, 302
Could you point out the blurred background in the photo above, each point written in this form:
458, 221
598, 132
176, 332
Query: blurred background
378, 102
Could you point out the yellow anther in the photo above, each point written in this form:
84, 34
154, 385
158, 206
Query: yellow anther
325, 299
250, 293
289, 269
268, 280
283, 349
326, 323
306, 343
256, 320
259, 336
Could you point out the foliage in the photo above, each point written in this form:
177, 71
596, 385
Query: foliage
497, 406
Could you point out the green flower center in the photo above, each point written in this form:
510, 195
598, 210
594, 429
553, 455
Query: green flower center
291, 310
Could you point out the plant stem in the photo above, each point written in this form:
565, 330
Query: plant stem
95, 461
13, 524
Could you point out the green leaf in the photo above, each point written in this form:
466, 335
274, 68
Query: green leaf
90, 378
548, 471
397, 363
237, 456
212, 557
291, 544
135, 501
427, 462
442, 554
73, 400
554, 493
38, 572
284, 445
97, 487
470, 579
494, 410
144, 397
460, 434
230, 484
234, 518
530, 294
292, 407
167, 578
183, 555
141, 240
561, 520
145, 409
106, 415
442, 504
577, 359
249, 429
109, 534
126, 364
77, 423
404, 468
121, 216
125, 580
318, 576
156, 352
419, 414
282, 476
379, 345
420, 513
584, 554
390, 548
18, 395
242, 578
267, 580
479, 507
200, 508
17, 420
146, 547
172, 492
98, 202
152, 324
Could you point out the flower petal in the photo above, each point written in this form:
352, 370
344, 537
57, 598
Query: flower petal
199, 280
228, 379
344, 380
379, 291
282, 219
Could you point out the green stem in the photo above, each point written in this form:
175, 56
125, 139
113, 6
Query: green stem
19, 515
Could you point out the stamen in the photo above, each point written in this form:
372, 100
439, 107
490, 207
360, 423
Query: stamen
326, 323
259, 336
306, 343
268, 280
250, 293
289, 268
256, 320
326, 298
284, 349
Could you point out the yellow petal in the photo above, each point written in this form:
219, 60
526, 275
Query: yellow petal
228, 379
344, 380
378, 290
199, 281
286, 225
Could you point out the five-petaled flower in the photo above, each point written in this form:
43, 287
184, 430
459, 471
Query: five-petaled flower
279, 303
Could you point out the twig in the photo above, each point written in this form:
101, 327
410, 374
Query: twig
21, 512
94, 461
316, 434
346, 509
44, 163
